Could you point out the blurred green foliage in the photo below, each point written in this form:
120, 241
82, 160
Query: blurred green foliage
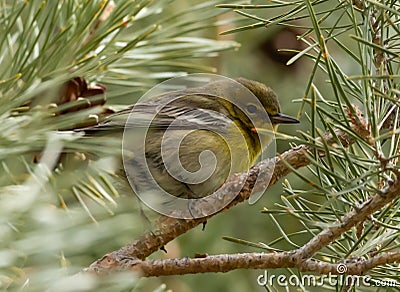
60, 210
54, 221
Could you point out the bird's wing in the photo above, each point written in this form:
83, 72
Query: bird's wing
156, 116
173, 117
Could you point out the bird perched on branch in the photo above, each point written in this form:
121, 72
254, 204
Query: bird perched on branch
187, 142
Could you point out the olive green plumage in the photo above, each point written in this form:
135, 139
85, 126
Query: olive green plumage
209, 119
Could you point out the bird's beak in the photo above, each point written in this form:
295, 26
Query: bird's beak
283, 119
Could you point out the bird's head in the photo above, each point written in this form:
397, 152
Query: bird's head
269, 102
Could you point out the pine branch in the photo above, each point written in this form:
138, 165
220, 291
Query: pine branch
300, 258
169, 228
228, 262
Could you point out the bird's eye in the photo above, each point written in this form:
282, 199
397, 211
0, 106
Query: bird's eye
251, 108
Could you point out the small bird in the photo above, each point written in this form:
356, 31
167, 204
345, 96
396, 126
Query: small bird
188, 142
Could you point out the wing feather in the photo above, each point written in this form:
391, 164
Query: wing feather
154, 115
